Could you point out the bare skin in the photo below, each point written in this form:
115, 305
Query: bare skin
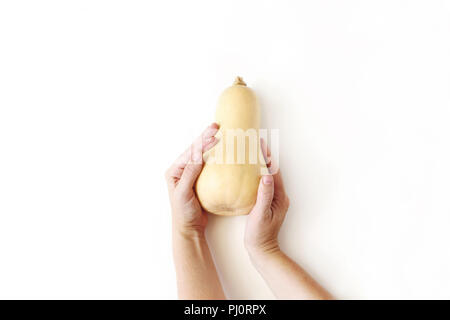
286, 279
196, 273
197, 277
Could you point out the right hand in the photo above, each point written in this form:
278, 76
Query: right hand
265, 219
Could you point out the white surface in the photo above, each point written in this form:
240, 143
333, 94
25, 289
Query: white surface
97, 98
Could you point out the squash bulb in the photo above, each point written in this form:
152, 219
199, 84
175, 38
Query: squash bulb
229, 181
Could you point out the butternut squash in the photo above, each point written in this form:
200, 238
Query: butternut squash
229, 181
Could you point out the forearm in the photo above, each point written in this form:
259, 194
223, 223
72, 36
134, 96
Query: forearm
286, 278
196, 273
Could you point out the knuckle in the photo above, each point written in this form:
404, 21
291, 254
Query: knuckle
267, 216
264, 202
189, 169
282, 204
267, 194
287, 202
167, 174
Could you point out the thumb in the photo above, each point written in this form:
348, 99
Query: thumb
265, 195
192, 169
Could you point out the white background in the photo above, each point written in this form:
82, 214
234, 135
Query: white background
97, 98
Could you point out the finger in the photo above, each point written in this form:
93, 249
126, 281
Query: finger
210, 131
192, 169
204, 139
280, 192
274, 169
207, 140
209, 143
266, 152
265, 196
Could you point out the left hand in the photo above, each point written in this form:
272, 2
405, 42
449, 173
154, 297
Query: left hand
188, 217
267, 216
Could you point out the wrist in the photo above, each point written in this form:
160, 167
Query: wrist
188, 232
263, 250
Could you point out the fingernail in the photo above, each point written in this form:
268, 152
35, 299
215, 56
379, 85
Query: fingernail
268, 179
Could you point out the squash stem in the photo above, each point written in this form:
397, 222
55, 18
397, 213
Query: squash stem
239, 82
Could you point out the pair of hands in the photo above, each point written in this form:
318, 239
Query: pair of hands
197, 276
190, 220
